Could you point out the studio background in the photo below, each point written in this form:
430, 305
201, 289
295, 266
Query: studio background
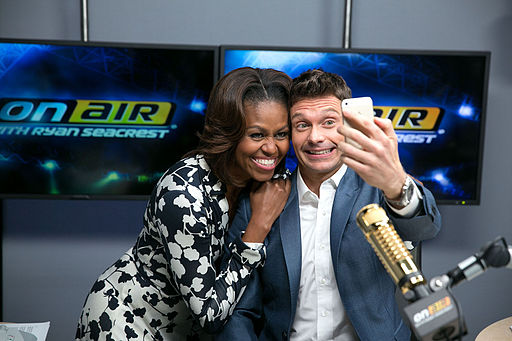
53, 250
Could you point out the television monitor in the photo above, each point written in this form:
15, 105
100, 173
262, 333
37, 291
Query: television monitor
82, 120
435, 99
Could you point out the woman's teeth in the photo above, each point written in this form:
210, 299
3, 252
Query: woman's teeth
265, 162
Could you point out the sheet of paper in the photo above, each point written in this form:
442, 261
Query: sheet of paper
24, 331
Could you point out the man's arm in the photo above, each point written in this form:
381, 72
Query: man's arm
378, 164
425, 224
246, 321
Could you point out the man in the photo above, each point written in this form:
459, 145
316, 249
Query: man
321, 279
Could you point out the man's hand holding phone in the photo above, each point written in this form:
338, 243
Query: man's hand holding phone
371, 146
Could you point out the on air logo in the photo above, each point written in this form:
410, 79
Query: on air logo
411, 118
98, 112
432, 310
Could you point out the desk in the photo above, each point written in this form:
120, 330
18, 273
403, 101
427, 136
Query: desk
498, 331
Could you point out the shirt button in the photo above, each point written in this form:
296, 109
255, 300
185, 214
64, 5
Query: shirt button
324, 313
324, 213
323, 281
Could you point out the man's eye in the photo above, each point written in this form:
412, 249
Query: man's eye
301, 125
330, 122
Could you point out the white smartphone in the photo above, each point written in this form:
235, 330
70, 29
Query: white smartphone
360, 105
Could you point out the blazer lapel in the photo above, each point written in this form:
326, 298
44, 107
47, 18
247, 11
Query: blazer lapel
289, 227
344, 201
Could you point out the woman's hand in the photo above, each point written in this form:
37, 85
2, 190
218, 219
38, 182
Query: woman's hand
267, 203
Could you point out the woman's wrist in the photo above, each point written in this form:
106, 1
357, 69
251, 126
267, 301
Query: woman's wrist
255, 232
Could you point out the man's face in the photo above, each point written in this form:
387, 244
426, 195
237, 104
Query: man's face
315, 137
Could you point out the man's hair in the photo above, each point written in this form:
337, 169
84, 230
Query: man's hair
318, 83
225, 118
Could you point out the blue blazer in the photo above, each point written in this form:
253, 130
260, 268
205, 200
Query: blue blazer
267, 308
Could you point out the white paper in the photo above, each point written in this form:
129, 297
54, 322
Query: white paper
24, 331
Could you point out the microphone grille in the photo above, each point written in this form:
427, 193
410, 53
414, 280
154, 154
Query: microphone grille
370, 217
389, 247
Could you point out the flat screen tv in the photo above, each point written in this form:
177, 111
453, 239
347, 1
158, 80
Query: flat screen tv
436, 100
84, 120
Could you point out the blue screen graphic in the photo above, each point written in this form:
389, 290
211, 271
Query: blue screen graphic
81, 120
445, 157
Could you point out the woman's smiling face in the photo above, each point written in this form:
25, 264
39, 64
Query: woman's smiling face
265, 143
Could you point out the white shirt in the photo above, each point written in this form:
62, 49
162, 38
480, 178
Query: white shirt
320, 314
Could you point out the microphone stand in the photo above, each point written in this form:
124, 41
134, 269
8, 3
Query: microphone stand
433, 317
437, 315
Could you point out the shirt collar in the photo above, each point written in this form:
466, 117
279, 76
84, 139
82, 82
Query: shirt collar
334, 180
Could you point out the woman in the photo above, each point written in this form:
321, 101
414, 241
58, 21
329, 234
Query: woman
169, 285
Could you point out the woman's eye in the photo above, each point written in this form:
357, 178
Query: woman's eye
282, 135
256, 136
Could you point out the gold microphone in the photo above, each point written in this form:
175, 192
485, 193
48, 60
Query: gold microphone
389, 247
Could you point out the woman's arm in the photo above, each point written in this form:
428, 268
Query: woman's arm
189, 225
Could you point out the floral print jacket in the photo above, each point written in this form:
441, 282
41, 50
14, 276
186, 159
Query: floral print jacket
171, 285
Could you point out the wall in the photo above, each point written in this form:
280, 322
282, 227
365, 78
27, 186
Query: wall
53, 250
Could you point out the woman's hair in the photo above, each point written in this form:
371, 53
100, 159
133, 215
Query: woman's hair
317, 83
225, 119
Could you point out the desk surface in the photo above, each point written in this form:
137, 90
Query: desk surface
498, 331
